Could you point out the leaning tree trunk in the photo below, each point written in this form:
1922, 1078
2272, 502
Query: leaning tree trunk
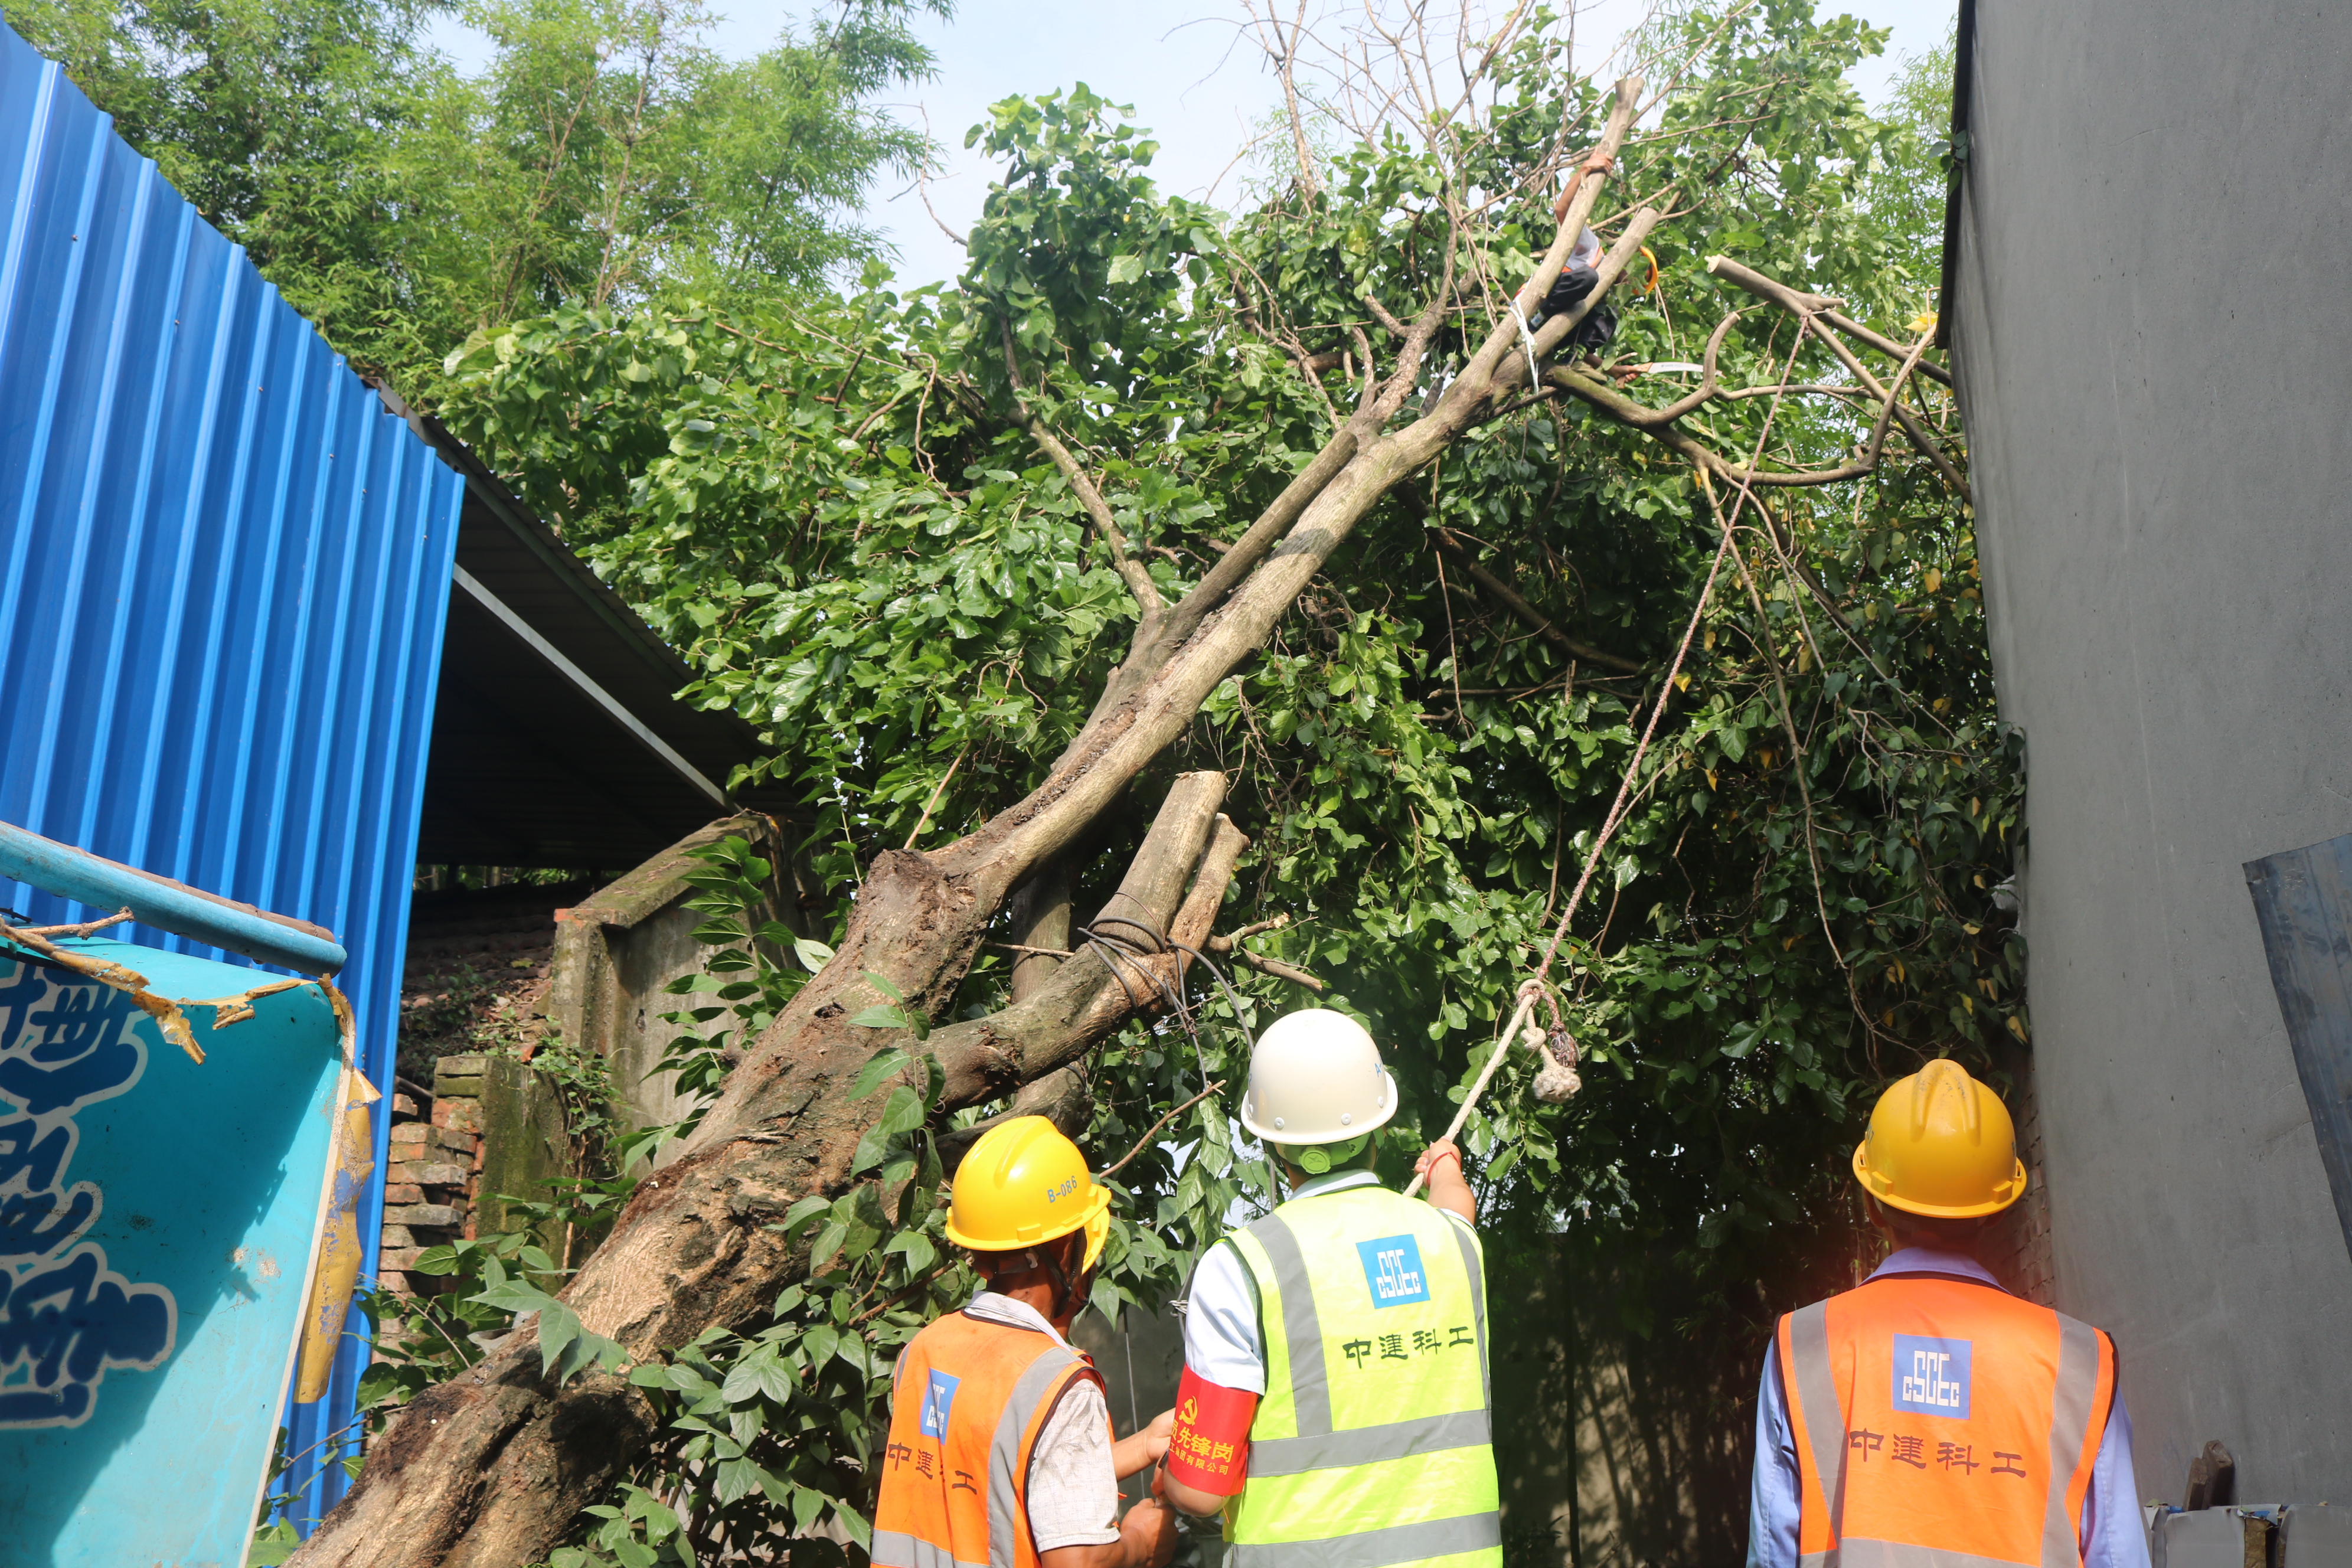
491, 1469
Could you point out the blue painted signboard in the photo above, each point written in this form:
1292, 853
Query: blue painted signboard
158, 1220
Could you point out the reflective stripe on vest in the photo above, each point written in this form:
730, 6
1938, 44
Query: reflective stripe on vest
968, 1400
1942, 1424
1400, 1543
1372, 1447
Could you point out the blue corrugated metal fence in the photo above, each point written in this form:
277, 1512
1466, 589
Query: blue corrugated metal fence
223, 572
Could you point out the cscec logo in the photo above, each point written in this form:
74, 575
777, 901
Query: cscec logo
1931, 1376
1392, 1270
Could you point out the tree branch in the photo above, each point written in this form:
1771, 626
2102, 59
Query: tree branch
1277, 968
1814, 308
1132, 572
1153, 1131
1886, 346
1528, 614
1062, 1097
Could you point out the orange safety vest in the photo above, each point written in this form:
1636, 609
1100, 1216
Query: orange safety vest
1934, 1417
968, 1401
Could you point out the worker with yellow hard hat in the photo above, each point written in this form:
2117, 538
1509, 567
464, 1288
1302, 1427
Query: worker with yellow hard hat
1927, 1415
1000, 1450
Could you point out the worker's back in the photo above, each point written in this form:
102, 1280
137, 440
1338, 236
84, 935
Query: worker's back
969, 1400
1935, 1411
1374, 1424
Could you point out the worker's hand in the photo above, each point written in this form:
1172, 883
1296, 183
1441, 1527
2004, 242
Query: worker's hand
1449, 1188
1142, 1450
1443, 1149
1149, 1534
1598, 163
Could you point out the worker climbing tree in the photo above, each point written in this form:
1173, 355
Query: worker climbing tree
1189, 616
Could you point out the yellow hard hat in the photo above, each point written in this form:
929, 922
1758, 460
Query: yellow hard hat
1023, 1183
1942, 1144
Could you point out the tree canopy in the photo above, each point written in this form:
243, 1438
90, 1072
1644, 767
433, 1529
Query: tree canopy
932, 543
603, 154
944, 548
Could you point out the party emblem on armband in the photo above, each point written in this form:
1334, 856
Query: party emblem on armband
1392, 1270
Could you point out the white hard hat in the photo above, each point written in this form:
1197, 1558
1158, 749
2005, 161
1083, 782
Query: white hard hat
1316, 1078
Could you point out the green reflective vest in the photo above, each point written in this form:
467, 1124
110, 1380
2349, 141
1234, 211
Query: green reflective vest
1371, 1447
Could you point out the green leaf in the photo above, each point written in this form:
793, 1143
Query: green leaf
814, 956
517, 1296
902, 1112
758, 1374
272, 1544
558, 1328
1126, 268
879, 1066
828, 1242
799, 1215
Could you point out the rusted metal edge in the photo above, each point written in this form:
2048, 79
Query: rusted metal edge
169, 1013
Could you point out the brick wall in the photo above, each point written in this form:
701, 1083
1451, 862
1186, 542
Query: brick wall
433, 1182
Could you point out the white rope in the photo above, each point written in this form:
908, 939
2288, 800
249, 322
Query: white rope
1528, 991
1527, 339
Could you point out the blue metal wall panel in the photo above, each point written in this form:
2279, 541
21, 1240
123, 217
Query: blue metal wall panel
224, 567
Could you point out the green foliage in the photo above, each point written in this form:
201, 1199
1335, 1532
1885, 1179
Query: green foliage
604, 153
829, 505
272, 1544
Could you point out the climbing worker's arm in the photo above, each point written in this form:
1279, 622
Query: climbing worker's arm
1598, 163
1441, 1164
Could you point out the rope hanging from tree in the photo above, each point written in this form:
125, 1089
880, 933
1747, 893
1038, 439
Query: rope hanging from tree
1557, 1080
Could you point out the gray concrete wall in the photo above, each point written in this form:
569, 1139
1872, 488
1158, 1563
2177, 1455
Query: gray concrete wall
2150, 334
618, 951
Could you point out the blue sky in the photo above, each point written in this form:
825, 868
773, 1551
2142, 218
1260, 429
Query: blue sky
1177, 63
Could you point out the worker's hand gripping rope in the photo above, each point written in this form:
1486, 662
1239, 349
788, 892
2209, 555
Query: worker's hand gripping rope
1556, 1082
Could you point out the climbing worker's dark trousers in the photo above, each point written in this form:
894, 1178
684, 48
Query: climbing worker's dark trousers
1567, 291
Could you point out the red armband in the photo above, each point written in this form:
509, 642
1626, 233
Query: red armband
1209, 1448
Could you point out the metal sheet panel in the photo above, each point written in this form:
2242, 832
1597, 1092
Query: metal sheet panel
138, 1430
2304, 900
224, 568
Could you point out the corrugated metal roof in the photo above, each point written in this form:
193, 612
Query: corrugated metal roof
223, 570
